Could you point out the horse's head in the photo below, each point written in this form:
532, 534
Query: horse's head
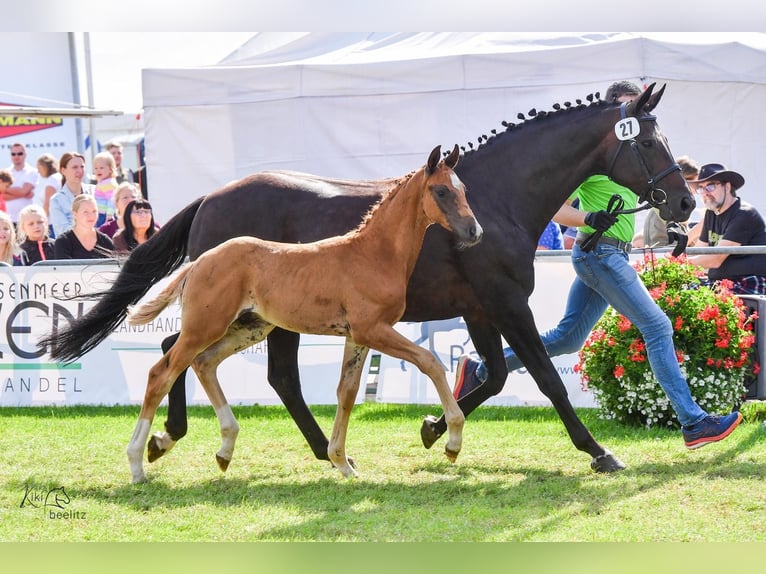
445, 202
641, 159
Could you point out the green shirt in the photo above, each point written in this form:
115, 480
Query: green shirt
595, 193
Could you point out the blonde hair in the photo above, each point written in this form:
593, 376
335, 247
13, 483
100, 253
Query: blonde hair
82, 198
11, 248
108, 158
25, 214
123, 188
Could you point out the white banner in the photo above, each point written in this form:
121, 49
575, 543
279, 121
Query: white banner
34, 300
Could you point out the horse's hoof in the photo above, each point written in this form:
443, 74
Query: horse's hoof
451, 454
140, 479
223, 464
153, 450
428, 433
606, 462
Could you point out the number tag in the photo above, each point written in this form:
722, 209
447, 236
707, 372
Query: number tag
627, 129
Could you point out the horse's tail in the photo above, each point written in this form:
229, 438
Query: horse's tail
147, 264
148, 311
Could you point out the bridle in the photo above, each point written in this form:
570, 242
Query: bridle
653, 196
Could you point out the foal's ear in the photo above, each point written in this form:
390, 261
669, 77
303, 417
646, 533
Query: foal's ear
433, 159
451, 160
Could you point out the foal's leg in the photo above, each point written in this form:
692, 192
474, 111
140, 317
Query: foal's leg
387, 340
161, 377
175, 425
241, 334
351, 372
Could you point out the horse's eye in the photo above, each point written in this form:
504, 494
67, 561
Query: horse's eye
646, 143
440, 192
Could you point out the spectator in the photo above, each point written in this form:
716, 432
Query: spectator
9, 249
104, 170
83, 240
606, 277
48, 182
6, 181
730, 222
35, 243
139, 226
551, 238
120, 173
123, 195
72, 166
22, 191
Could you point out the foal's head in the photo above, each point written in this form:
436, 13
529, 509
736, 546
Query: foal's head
445, 202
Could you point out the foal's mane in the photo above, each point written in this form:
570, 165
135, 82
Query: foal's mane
397, 184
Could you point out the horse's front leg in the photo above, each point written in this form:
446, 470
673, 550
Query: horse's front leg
387, 340
351, 372
240, 335
486, 340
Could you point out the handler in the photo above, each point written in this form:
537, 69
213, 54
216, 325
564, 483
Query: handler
605, 277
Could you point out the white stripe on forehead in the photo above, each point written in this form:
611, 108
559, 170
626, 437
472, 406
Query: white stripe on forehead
455, 180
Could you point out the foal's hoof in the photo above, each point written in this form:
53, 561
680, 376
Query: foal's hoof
451, 454
223, 464
606, 462
153, 449
428, 432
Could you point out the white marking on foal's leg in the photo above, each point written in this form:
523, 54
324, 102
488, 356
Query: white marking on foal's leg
229, 432
135, 449
164, 442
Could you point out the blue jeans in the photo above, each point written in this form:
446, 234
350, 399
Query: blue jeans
605, 277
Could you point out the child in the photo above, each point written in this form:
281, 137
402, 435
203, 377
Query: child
9, 251
104, 169
36, 244
6, 181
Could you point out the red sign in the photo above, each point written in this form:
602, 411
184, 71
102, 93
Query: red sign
11, 126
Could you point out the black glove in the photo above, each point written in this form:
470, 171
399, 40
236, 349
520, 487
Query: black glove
677, 234
600, 220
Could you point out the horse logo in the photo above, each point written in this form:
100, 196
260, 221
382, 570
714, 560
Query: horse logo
57, 497
428, 330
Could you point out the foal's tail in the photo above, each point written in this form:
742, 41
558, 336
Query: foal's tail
148, 311
147, 264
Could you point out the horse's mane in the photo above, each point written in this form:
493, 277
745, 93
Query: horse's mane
396, 185
534, 116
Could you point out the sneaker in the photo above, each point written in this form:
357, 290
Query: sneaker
465, 376
710, 429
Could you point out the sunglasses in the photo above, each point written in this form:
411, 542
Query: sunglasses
708, 188
17, 153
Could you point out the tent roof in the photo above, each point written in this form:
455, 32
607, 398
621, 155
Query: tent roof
277, 66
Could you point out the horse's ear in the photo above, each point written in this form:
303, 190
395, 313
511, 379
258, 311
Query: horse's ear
451, 160
647, 101
433, 159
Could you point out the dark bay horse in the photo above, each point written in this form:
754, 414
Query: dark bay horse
353, 285
516, 179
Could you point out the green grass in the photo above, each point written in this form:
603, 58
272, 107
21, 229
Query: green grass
518, 478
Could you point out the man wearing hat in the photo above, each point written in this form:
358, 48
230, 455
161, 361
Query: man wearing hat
730, 222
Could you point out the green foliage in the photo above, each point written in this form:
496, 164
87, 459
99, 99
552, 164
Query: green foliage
712, 335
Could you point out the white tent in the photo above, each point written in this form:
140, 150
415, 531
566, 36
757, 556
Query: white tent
363, 105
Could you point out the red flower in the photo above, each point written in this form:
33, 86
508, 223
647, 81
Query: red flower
623, 324
619, 371
708, 313
679, 323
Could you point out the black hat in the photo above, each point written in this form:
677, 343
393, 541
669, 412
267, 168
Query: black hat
719, 172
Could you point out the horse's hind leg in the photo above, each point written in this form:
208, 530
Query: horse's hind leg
348, 387
160, 443
247, 330
161, 377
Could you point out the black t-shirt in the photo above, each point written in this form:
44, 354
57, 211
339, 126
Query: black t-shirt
742, 224
67, 246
